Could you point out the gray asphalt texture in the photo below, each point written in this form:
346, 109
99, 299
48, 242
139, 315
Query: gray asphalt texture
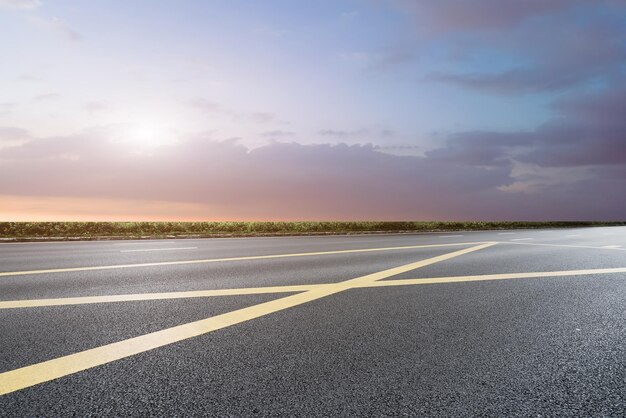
553, 346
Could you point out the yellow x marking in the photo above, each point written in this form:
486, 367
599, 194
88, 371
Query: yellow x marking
24, 377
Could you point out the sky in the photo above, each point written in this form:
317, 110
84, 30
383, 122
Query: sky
300, 110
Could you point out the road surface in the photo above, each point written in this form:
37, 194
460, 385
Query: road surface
493, 323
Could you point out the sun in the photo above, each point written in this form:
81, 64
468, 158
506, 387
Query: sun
146, 135
144, 132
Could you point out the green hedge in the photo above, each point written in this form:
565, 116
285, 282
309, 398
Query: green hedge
136, 229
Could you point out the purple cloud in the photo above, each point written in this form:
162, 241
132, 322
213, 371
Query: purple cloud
551, 45
20, 4
277, 133
482, 15
290, 181
561, 55
212, 107
47, 96
587, 131
10, 133
341, 133
94, 107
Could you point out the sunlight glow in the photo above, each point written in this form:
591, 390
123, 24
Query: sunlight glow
146, 135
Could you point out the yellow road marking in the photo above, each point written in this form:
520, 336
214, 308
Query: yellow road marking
408, 267
216, 260
32, 303
62, 366
504, 276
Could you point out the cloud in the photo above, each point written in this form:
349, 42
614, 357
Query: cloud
361, 135
7, 107
382, 59
205, 105
392, 57
560, 56
277, 134
481, 148
212, 107
513, 47
258, 117
349, 15
59, 26
27, 78
12, 136
292, 181
13, 133
269, 31
341, 133
20, 4
591, 130
65, 30
94, 107
588, 130
397, 147
47, 96
509, 82
356, 56
485, 15
285, 180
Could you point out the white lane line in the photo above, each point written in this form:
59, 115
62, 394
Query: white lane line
522, 239
450, 236
506, 233
564, 245
229, 259
158, 249
612, 246
573, 235
145, 242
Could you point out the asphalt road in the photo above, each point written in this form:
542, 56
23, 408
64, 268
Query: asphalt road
495, 323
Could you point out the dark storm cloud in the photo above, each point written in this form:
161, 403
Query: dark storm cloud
588, 130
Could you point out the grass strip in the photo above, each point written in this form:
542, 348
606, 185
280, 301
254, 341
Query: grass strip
134, 230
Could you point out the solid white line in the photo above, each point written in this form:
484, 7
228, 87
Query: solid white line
158, 249
573, 235
146, 242
522, 239
612, 246
563, 245
229, 259
506, 233
450, 236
